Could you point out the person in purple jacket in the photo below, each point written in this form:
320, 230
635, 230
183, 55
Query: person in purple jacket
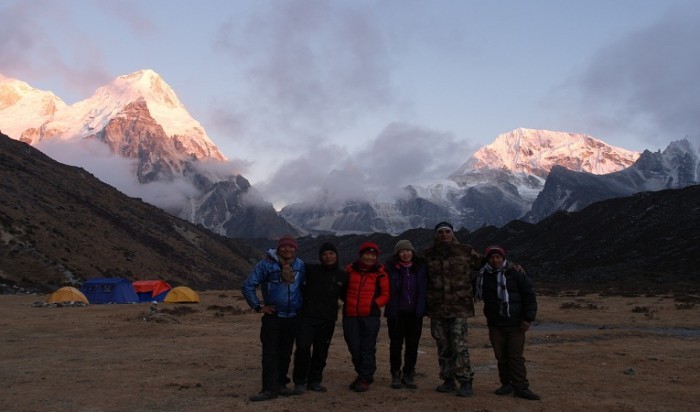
408, 282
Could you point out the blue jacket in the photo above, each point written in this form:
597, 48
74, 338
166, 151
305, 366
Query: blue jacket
286, 297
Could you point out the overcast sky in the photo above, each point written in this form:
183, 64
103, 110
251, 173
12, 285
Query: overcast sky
376, 94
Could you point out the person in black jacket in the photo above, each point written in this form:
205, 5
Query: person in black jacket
325, 284
510, 307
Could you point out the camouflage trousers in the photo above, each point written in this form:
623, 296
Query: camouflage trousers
453, 353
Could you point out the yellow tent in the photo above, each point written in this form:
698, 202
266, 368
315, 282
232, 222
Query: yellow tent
181, 294
67, 294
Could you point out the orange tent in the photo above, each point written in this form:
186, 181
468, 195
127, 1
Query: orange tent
182, 294
67, 294
151, 290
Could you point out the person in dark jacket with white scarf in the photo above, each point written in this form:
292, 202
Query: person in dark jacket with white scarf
510, 306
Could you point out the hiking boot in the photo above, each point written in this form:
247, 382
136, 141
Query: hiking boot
408, 380
396, 380
465, 390
354, 383
447, 386
316, 387
299, 388
263, 396
284, 391
527, 394
362, 385
505, 389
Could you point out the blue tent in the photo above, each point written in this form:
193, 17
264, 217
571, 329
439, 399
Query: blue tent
109, 290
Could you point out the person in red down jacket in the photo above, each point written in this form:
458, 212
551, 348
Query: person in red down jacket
367, 293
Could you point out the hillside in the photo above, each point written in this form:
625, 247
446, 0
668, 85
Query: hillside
647, 241
59, 223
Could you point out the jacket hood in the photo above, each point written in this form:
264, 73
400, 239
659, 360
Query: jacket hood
272, 254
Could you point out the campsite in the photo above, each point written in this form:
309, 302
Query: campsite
123, 291
585, 352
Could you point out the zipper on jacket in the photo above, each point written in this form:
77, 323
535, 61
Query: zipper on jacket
363, 280
408, 286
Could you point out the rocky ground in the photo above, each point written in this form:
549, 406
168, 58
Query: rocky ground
586, 352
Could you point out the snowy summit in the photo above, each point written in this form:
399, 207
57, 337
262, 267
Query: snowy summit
534, 152
33, 115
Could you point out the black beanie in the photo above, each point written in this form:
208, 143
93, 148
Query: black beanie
443, 225
326, 247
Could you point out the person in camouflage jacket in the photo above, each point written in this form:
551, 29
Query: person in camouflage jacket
450, 301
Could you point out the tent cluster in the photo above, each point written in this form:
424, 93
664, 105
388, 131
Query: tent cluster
120, 290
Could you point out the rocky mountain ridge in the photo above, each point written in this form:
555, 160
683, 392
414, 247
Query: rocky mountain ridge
676, 167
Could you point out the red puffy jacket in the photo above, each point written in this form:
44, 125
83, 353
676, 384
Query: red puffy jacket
367, 291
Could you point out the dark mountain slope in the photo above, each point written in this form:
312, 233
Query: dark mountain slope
60, 224
648, 242
650, 239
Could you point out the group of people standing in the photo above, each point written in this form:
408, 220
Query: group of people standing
300, 305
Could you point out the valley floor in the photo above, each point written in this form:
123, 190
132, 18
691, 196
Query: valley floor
584, 353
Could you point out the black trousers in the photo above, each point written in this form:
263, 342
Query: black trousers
508, 346
406, 330
361, 336
277, 337
316, 334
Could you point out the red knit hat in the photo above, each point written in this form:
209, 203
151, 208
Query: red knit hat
369, 246
495, 249
287, 240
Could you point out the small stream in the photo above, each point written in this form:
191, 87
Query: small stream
562, 327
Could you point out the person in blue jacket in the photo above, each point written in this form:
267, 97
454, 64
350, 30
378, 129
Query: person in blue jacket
280, 277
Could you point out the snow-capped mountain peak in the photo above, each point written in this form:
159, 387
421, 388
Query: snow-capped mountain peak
144, 83
162, 102
23, 107
164, 106
534, 152
139, 117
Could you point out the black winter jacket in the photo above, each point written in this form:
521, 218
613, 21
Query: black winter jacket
324, 286
521, 296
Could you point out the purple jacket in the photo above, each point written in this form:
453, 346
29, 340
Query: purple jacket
420, 272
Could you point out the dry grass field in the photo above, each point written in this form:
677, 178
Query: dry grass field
585, 353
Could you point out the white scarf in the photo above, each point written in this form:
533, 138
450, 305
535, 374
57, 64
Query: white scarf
501, 291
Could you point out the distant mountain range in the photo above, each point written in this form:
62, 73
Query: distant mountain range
499, 183
524, 174
59, 224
